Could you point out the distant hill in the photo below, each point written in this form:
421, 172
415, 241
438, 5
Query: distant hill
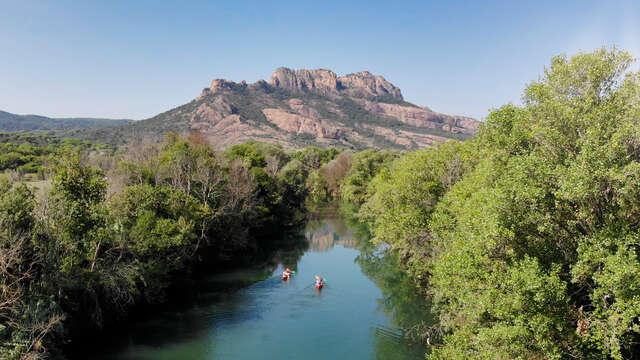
14, 122
297, 108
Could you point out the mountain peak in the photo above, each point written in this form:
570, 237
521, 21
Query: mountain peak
217, 85
322, 81
365, 84
357, 110
326, 82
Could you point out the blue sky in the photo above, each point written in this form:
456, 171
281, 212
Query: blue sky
134, 59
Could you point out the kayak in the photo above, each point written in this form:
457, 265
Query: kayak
319, 286
285, 277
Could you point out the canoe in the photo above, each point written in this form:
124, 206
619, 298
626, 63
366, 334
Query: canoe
319, 286
285, 277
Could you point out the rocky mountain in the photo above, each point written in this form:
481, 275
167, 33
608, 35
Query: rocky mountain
298, 108
14, 122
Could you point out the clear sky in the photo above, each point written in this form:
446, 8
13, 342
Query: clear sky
134, 59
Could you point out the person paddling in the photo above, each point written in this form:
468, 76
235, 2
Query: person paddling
319, 282
286, 274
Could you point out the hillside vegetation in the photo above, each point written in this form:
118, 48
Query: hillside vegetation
13, 122
28, 154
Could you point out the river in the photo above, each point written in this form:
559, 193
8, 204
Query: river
253, 314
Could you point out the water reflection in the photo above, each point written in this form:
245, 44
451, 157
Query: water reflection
400, 299
251, 313
410, 311
323, 235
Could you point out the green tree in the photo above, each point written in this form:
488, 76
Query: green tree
317, 187
79, 192
159, 226
366, 164
403, 198
533, 251
28, 320
16, 208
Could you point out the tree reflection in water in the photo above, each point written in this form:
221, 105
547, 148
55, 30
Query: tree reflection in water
409, 309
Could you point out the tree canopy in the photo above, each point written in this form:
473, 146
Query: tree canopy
525, 238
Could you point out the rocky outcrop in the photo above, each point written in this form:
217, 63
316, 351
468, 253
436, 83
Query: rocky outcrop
320, 81
298, 106
300, 124
208, 114
219, 85
366, 85
406, 138
325, 82
423, 117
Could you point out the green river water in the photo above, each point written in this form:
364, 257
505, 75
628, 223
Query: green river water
252, 314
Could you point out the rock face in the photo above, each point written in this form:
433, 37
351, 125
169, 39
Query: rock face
364, 84
299, 124
421, 117
303, 107
325, 82
320, 81
218, 85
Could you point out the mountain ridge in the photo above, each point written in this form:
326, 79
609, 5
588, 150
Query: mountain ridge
298, 108
30, 122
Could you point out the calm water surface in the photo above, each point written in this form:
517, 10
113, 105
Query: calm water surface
253, 314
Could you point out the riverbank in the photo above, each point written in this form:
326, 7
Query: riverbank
131, 234
249, 313
207, 278
525, 236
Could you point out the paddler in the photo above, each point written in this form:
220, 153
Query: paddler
286, 273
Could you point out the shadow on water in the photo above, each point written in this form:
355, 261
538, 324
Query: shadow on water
216, 295
400, 298
250, 313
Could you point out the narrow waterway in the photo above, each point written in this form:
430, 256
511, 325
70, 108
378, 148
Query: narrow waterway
253, 314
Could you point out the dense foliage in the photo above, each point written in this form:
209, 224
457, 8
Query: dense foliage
104, 240
525, 238
28, 153
13, 122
